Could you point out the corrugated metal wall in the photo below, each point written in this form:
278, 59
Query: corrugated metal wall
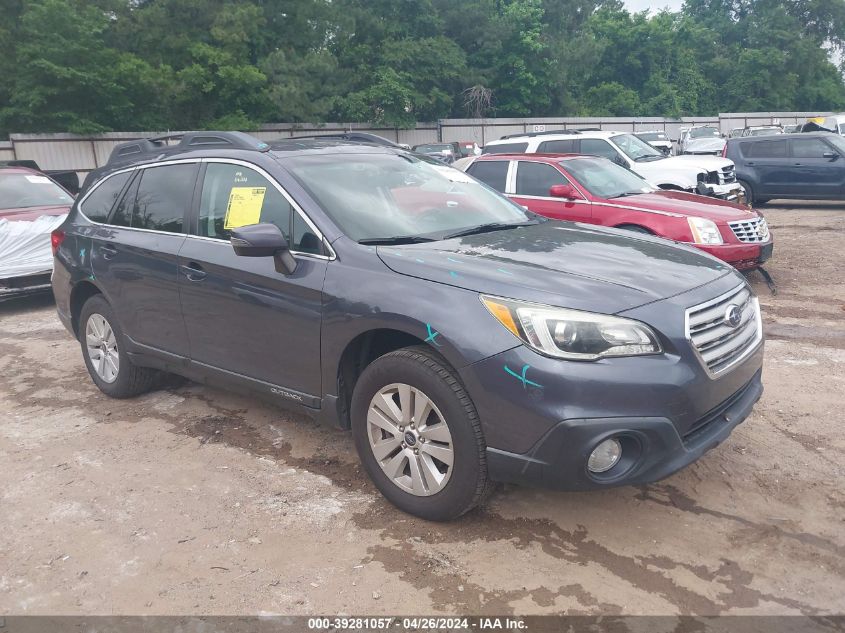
84, 153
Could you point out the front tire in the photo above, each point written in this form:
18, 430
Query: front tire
751, 198
104, 351
418, 435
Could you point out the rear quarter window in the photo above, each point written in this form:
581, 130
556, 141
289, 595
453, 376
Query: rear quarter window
99, 203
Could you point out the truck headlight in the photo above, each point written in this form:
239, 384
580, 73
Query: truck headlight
572, 334
704, 231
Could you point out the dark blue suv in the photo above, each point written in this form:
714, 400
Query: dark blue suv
806, 166
463, 339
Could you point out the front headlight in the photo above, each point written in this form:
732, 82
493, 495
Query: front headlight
704, 231
572, 334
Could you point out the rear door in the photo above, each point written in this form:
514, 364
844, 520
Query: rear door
530, 188
814, 174
134, 255
769, 159
244, 318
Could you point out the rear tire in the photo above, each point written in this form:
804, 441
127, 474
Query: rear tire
391, 393
104, 351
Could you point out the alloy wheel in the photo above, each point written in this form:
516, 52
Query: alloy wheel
101, 344
410, 439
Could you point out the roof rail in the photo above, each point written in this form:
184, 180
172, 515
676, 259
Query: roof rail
159, 146
564, 131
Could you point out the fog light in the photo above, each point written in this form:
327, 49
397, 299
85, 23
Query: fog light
604, 456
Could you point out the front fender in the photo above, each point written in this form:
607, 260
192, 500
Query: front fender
451, 320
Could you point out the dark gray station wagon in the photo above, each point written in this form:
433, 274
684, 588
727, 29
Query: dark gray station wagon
463, 339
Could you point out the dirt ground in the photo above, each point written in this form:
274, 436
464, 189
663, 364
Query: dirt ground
191, 500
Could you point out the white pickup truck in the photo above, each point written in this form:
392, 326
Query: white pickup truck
707, 175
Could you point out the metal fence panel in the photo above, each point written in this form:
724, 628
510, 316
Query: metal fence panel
83, 153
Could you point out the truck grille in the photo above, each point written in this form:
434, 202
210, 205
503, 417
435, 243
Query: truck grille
724, 176
751, 231
720, 344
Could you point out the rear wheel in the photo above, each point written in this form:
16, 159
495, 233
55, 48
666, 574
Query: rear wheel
104, 352
418, 435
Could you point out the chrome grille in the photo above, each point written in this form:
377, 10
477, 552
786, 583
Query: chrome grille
718, 344
750, 231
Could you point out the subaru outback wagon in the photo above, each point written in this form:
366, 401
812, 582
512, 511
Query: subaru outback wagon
461, 338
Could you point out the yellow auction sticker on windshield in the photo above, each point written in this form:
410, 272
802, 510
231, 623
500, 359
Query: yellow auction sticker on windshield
244, 206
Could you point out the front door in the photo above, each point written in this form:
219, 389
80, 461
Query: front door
531, 189
134, 255
242, 316
814, 174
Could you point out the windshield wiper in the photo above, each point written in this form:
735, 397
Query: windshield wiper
625, 194
395, 240
649, 157
491, 226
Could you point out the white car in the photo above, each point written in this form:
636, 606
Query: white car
708, 175
695, 133
657, 139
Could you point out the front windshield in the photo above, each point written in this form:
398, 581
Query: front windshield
837, 141
635, 148
381, 196
703, 132
653, 136
21, 191
604, 178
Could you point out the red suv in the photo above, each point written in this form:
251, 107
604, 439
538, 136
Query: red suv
595, 190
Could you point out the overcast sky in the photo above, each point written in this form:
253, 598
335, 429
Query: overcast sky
639, 5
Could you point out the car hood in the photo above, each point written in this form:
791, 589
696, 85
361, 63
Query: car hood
705, 145
561, 263
707, 163
686, 204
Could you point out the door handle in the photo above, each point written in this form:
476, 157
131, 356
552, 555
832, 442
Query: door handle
194, 272
108, 251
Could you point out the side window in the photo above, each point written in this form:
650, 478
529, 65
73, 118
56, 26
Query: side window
491, 172
157, 198
809, 148
304, 238
768, 149
98, 205
122, 215
598, 147
233, 196
557, 147
505, 148
535, 179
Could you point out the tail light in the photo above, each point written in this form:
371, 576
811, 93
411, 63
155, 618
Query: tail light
56, 239
725, 151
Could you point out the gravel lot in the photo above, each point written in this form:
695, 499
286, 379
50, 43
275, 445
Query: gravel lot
191, 500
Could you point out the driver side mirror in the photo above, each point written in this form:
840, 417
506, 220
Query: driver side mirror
264, 240
567, 192
830, 155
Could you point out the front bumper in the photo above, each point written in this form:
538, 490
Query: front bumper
731, 191
25, 285
541, 417
740, 256
652, 448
